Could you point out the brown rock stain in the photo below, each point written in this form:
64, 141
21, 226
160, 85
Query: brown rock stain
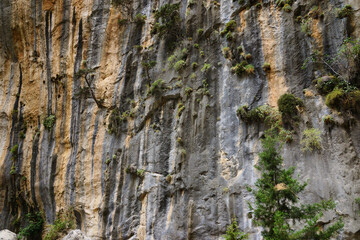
270, 24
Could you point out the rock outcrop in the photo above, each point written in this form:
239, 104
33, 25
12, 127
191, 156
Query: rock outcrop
96, 118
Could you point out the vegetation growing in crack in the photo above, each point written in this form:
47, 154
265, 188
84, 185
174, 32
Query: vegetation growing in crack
49, 122
157, 87
86, 73
167, 23
233, 231
311, 140
116, 120
288, 105
63, 223
34, 226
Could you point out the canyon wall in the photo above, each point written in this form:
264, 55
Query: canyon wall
170, 165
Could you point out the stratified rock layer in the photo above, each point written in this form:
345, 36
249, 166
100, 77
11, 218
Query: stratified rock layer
196, 154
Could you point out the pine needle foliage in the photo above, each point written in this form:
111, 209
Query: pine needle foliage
233, 232
276, 208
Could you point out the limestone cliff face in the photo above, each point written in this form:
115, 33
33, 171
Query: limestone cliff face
197, 155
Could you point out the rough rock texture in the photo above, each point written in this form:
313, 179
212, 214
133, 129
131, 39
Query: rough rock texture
190, 187
7, 235
75, 235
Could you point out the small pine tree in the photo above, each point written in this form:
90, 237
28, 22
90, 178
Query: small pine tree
275, 207
233, 232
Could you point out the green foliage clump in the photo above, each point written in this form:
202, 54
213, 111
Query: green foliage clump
196, 45
34, 226
229, 36
334, 98
139, 19
266, 67
188, 90
140, 173
346, 11
14, 150
329, 120
226, 52
276, 207
167, 23
180, 108
177, 60
49, 121
206, 67
258, 114
233, 232
305, 26
249, 69
229, 27
287, 8
59, 226
123, 21
157, 87
311, 140
116, 119
288, 104
239, 68
179, 65
194, 65
200, 31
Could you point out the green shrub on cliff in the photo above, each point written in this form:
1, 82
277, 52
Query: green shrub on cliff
311, 140
276, 208
233, 232
34, 226
288, 104
346, 11
49, 122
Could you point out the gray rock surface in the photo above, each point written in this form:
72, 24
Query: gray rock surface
7, 235
76, 235
177, 167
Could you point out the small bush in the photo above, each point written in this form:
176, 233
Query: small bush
233, 232
266, 66
229, 36
239, 68
311, 140
206, 67
248, 56
139, 18
329, 120
193, 76
34, 227
306, 26
287, 8
49, 122
57, 228
180, 108
226, 52
326, 84
157, 87
14, 150
179, 65
122, 22
200, 31
334, 98
194, 65
196, 45
346, 11
288, 104
188, 90
229, 27
249, 69
262, 113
